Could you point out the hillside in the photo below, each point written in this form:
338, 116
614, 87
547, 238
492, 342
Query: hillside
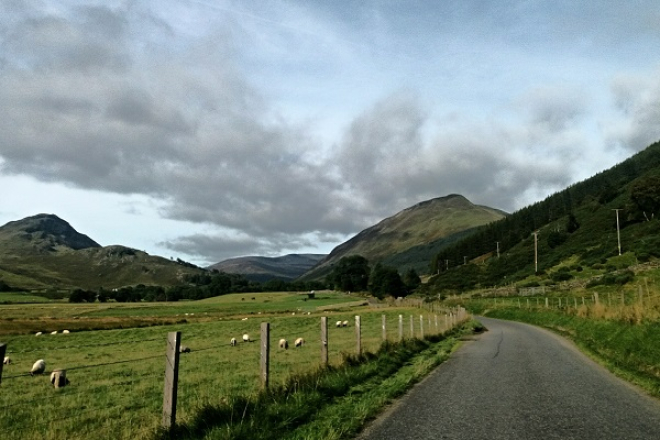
254, 268
576, 232
44, 251
412, 235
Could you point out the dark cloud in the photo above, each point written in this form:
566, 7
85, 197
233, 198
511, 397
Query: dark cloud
120, 100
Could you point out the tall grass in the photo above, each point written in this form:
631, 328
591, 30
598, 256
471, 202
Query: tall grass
326, 403
117, 375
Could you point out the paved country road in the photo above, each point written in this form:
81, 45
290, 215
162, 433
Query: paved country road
516, 381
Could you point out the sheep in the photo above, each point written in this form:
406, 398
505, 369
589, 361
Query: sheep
184, 349
6, 360
300, 342
53, 332
38, 334
38, 368
58, 378
65, 332
246, 338
344, 324
232, 342
284, 344
338, 323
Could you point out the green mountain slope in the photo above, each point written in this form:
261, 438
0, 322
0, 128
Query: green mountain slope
44, 251
411, 235
576, 225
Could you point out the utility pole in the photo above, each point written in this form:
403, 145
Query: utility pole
536, 251
618, 233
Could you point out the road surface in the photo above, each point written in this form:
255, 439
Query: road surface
516, 381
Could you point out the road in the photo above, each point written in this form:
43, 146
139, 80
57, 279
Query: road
516, 381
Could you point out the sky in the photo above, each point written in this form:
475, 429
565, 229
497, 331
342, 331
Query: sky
211, 129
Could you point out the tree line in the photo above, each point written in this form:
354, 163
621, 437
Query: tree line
351, 274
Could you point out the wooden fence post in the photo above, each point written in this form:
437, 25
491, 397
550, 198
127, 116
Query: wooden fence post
412, 327
400, 327
546, 303
384, 328
265, 354
421, 326
436, 324
358, 334
171, 379
324, 341
3, 350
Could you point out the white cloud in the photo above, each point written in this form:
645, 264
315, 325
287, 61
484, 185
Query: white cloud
260, 127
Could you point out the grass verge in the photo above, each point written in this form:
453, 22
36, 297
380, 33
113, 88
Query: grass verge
329, 403
631, 351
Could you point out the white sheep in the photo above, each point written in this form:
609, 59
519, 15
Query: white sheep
53, 332
300, 342
58, 378
284, 344
344, 324
338, 323
6, 360
38, 334
65, 332
246, 338
38, 368
184, 349
232, 342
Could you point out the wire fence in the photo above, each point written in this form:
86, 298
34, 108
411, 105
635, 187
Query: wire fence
116, 388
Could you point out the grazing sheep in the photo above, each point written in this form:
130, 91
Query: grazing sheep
284, 344
38, 368
184, 349
58, 378
53, 332
6, 360
246, 338
38, 334
344, 324
232, 342
338, 323
66, 332
244, 319
300, 342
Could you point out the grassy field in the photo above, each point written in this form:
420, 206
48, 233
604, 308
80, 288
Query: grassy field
117, 374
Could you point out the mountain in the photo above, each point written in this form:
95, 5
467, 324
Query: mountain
410, 237
575, 233
287, 267
44, 251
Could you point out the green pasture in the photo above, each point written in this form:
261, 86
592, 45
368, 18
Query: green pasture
117, 375
21, 298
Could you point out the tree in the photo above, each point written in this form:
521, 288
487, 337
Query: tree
572, 224
385, 280
350, 274
645, 196
412, 280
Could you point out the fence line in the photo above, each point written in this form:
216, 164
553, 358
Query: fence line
172, 356
70, 347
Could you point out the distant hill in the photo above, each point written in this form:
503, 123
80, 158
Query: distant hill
410, 237
287, 267
44, 251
